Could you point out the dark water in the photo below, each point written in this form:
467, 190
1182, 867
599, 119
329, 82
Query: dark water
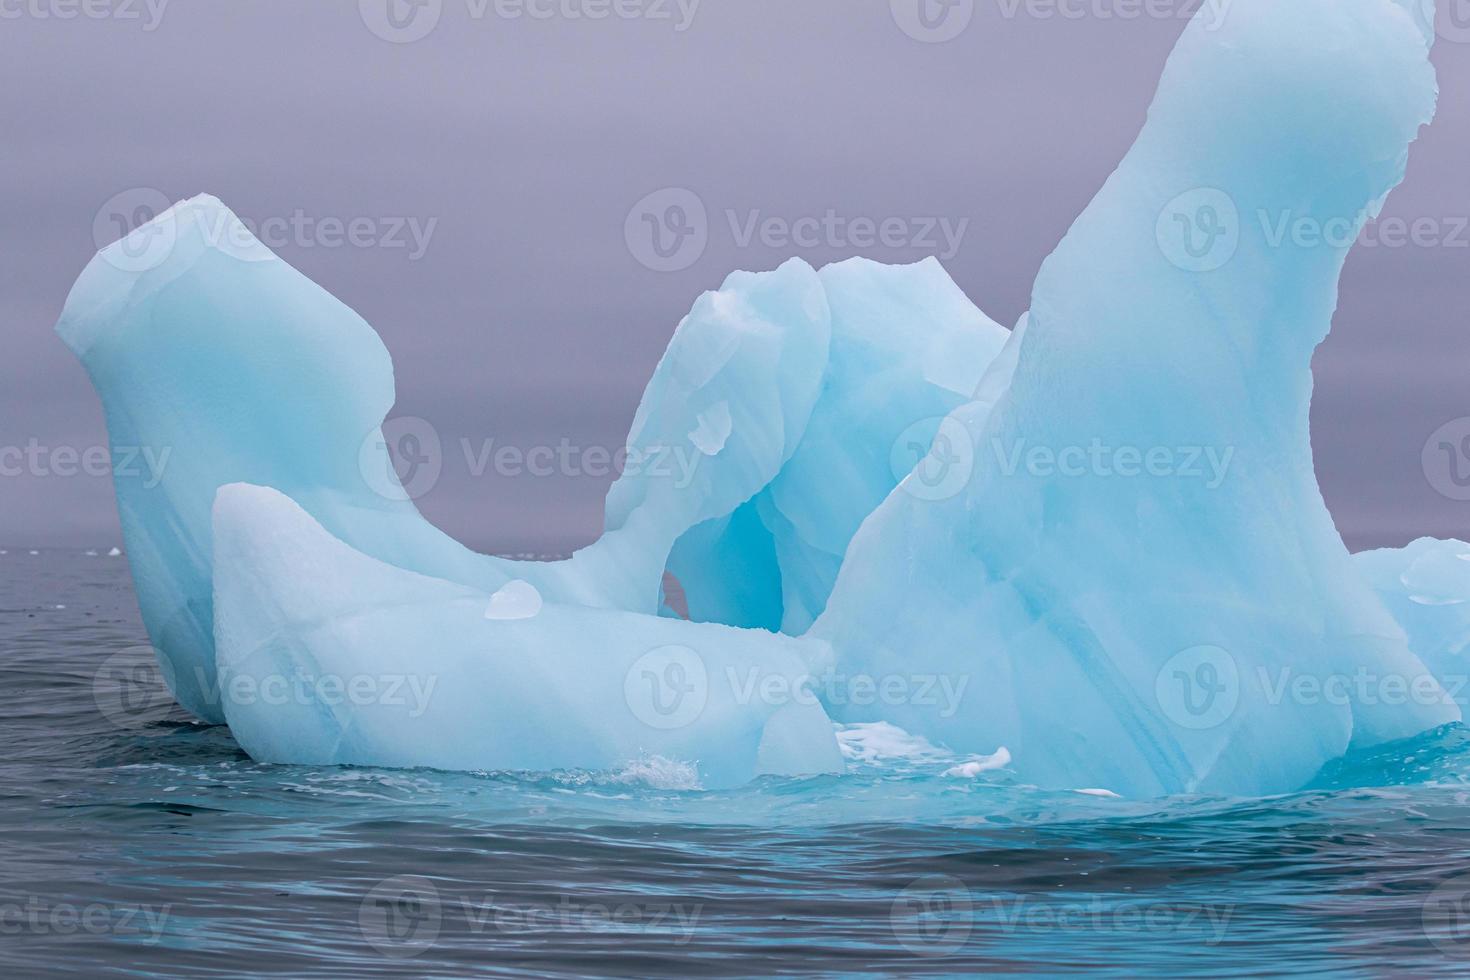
138, 844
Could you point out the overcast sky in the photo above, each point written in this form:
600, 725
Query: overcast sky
490, 165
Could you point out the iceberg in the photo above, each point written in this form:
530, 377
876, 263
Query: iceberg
216, 357
1141, 552
1091, 551
330, 657
908, 347
1426, 587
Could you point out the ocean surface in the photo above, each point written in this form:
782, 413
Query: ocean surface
137, 843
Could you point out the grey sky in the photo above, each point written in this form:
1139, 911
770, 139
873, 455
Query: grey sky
517, 145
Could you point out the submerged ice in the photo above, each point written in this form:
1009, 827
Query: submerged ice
1091, 550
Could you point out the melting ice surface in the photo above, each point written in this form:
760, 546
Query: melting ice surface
564, 688
1091, 552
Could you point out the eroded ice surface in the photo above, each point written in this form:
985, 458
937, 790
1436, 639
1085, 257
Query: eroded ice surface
215, 357
328, 657
907, 348
1111, 569
1426, 586
1142, 549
